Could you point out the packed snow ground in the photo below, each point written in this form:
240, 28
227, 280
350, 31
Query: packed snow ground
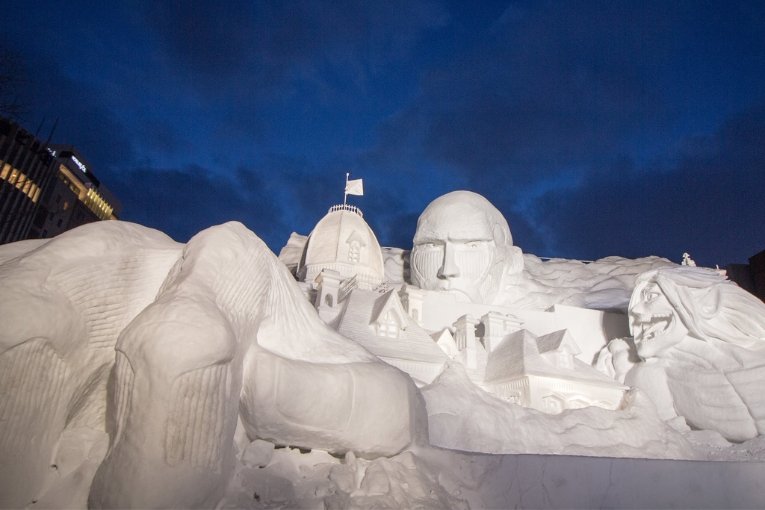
429, 477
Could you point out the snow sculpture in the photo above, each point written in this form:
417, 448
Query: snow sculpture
63, 303
230, 337
542, 373
463, 245
343, 242
605, 284
702, 339
617, 358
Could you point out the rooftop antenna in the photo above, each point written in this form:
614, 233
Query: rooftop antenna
52, 130
39, 127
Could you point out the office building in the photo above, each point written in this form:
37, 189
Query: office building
46, 190
75, 197
26, 170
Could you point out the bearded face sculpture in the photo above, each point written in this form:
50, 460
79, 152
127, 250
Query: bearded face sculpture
463, 246
702, 342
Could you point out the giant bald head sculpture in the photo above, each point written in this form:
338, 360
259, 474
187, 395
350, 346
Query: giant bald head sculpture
463, 245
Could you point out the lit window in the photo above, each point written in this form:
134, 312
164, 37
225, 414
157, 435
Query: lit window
388, 326
14, 176
5, 171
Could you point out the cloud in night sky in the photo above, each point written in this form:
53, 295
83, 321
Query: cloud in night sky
598, 128
702, 199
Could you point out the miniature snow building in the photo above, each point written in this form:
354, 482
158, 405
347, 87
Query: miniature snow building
343, 242
543, 373
411, 298
379, 323
495, 326
420, 327
445, 340
472, 353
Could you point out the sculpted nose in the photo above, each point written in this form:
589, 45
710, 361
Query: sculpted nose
449, 268
640, 312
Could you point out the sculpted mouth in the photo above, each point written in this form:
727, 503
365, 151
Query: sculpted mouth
656, 325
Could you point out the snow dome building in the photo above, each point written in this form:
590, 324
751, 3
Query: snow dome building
343, 242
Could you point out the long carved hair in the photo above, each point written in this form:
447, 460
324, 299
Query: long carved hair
710, 306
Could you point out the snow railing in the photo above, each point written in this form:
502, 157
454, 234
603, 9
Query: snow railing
346, 207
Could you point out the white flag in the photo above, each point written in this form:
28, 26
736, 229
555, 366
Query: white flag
354, 187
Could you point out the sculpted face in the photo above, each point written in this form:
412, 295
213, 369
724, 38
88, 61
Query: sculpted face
654, 322
460, 246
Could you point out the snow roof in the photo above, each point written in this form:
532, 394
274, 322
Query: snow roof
558, 340
330, 239
361, 310
445, 340
386, 302
522, 353
516, 355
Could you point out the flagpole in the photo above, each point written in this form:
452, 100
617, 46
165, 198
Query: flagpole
345, 194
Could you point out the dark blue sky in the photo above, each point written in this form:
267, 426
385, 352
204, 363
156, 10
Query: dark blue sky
598, 128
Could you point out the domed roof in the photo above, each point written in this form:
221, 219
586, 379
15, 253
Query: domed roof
342, 241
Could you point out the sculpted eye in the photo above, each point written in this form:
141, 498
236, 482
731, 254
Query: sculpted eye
649, 295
